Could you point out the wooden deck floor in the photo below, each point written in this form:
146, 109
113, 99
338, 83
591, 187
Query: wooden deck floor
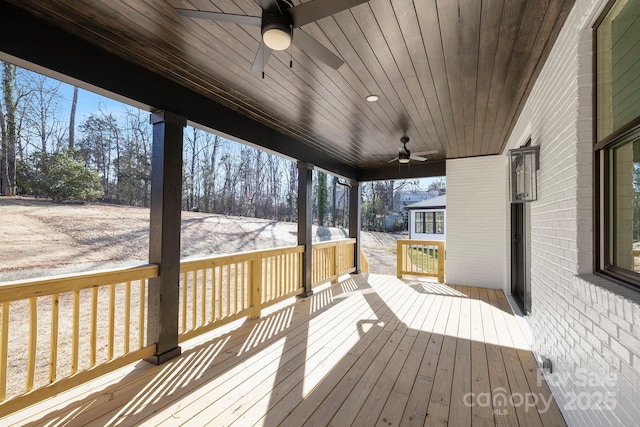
367, 351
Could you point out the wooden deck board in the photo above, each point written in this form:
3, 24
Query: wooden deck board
373, 351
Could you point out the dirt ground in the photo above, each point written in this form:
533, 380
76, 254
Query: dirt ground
39, 238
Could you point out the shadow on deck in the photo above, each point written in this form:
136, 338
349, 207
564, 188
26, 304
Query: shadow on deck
367, 351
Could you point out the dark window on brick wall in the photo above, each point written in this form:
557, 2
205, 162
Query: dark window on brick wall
617, 145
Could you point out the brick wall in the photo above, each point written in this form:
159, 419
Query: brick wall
587, 326
476, 218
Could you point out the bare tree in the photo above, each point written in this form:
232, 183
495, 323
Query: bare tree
9, 132
72, 117
334, 194
42, 110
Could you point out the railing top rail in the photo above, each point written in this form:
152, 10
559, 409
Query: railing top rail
330, 243
43, 286
215, 260
420, 242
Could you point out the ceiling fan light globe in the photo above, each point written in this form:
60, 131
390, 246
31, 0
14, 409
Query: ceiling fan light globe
403, 160
276, 39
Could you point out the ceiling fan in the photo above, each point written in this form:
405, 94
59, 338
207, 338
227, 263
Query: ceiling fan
280, 22
405, 155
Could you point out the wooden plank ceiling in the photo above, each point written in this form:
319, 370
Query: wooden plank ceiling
452, 75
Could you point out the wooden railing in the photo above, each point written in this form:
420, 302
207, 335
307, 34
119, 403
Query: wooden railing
219, 289
634, 254
74, 328
332, 259
77, 327
364, 262
421, 258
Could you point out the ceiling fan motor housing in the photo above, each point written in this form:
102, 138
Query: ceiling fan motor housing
276, 21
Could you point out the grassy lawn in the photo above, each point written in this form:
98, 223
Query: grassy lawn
426, 260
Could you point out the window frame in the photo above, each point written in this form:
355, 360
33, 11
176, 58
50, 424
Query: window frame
433, 221
602, 197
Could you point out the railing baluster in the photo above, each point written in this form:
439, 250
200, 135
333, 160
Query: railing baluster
4, 353
203, 296
53, 347
127, 316
75, 339
219, 292
243, 298
141, 311
287, 272
94, 327
279, 276
213, 293
194, 297
235, 287
228, 293
263, 279
184, 301
273, 272
243, 283
33, 334
112, 321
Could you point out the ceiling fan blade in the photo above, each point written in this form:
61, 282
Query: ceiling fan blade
393, 160
255, 21
314, 48
424, 153
317, 9
262, 56
417, 158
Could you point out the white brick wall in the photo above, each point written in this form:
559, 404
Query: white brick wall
586, 325
476, 218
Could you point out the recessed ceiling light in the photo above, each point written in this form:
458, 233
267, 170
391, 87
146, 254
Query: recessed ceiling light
372, 98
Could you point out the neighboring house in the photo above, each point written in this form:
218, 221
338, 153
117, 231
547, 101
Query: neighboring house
391, 222
404, 198
427, 219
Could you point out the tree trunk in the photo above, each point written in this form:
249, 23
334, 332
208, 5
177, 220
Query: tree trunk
257, 186
334, 190
213, 160
72, 117
8, 180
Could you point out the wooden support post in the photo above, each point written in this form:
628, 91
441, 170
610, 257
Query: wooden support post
256, 286
441, 257
354, 222
399, 258
164, 235
305, 231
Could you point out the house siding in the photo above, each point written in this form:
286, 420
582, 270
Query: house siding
587, 326
476, 215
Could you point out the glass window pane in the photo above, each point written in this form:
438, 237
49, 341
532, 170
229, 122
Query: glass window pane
618, 63
429, 223
625, 207
419, 222
440, 222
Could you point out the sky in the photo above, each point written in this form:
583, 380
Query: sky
88, 102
